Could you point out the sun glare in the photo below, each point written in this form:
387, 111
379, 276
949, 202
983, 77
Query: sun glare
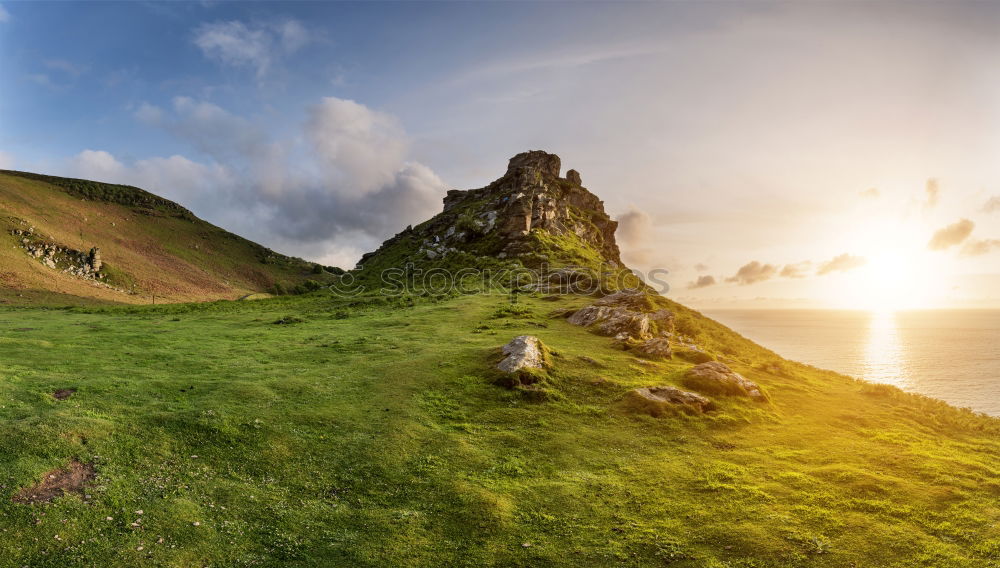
897, 275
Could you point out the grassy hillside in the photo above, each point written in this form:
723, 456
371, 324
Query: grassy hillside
368, 432
150, 247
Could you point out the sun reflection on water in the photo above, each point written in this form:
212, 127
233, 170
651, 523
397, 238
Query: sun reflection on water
884, 358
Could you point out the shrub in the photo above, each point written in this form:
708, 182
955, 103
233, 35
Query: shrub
693, 356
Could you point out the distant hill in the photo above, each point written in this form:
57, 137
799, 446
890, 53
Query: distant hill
74, 241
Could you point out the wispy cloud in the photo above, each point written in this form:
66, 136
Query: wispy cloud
64, 66
702, 282
797, 270
841, 263
932, 192
992, 205
981, 247
753, 272
254, 46
870, 193
4, 14
565, 58
951, 235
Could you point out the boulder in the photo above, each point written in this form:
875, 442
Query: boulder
523, 352
573, 177
715, 377
657, 401
655, 348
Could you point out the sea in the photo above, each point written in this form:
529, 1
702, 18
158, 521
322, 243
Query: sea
952, 355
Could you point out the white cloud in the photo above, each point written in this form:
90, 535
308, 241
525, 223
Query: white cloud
4, 14
254, 46
357, 145
98, 165
634, 227
6, 160
333, 190
216, 131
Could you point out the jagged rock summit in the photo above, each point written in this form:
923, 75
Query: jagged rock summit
530, 214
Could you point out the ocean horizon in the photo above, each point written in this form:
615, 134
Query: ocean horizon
949, 354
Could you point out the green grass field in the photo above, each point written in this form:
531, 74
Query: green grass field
372, 435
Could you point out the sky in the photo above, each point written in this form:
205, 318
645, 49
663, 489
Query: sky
766, 154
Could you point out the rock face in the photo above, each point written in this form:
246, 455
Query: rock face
657, 401
714, 377
95, 260
624, 315
524, 352
655, 348
499, 220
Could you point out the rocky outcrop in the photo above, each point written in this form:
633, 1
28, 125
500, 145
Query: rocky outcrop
715, 377
497, 221
60, 257
657, 401
620, 323
625, 315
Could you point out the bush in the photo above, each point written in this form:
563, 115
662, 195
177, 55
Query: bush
693, 356
512, 311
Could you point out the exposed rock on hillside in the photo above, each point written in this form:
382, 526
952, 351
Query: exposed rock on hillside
523, 352
529, 214
625, 315
657, 401
655, 348
714, 377
60, 257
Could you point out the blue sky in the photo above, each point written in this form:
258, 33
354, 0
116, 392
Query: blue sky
720, 134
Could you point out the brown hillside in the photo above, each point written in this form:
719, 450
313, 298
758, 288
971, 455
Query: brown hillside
148, 247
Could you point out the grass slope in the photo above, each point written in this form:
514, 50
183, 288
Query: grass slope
148, 244
370, 434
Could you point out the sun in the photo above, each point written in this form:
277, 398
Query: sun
892, 279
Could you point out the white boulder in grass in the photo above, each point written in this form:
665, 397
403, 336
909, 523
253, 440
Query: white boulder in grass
523, 353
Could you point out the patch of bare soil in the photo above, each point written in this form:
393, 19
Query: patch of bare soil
71, 479
63, 394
